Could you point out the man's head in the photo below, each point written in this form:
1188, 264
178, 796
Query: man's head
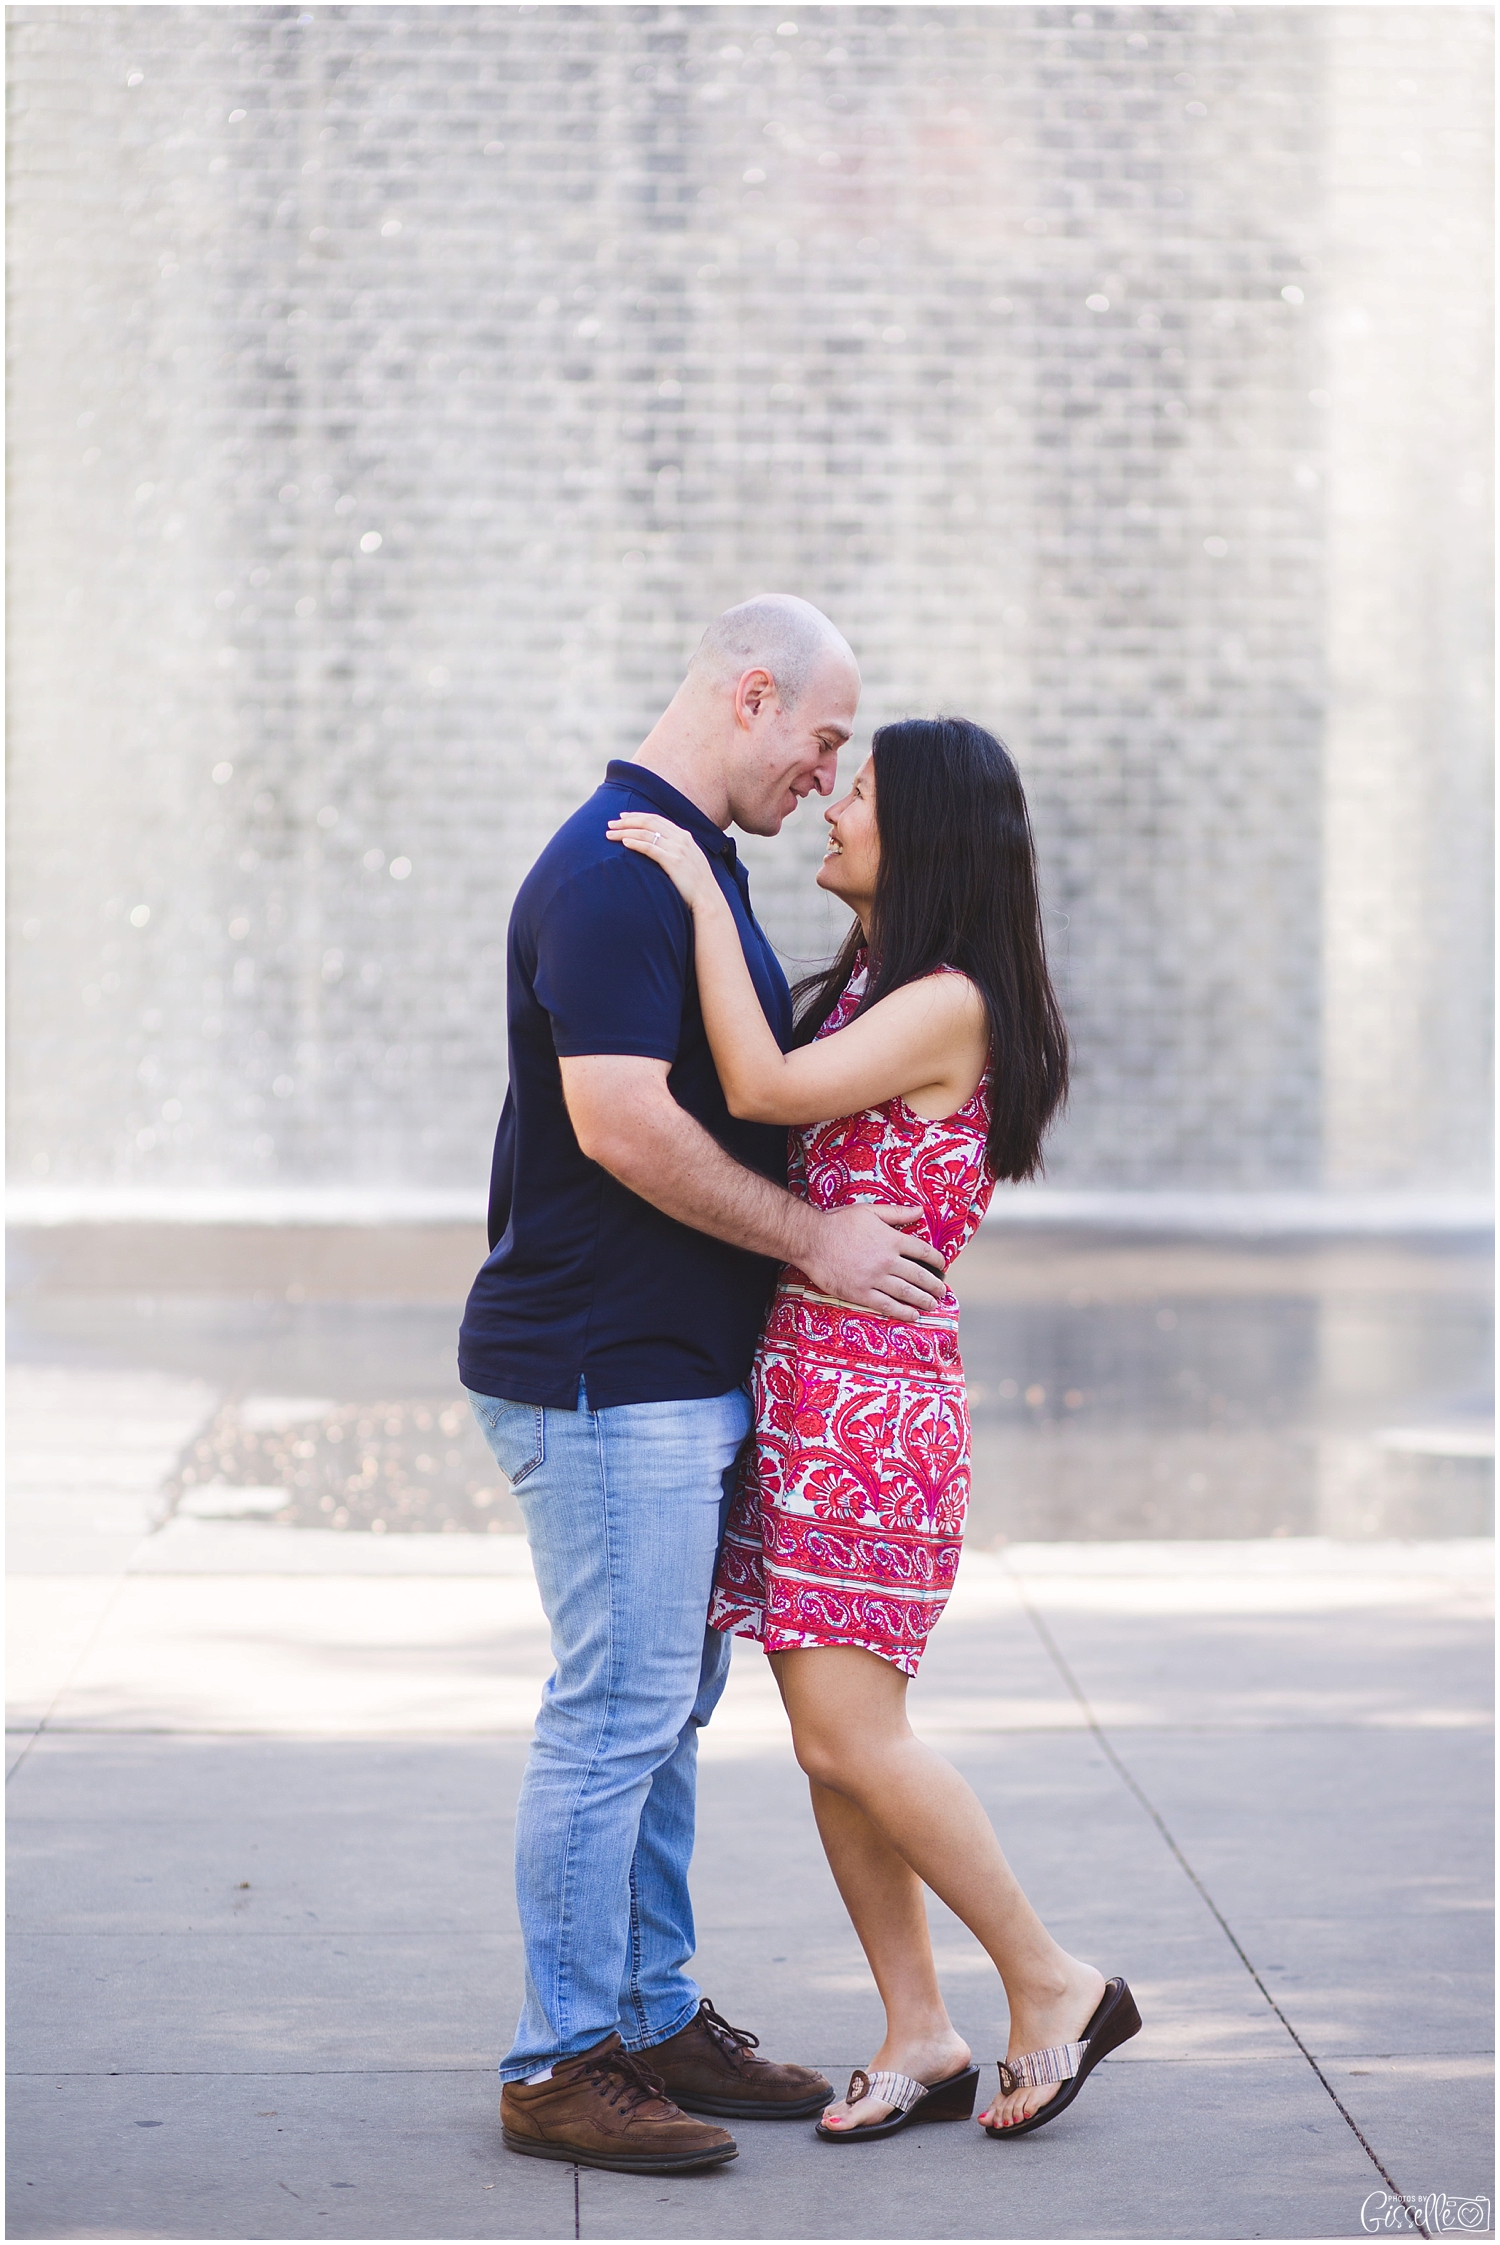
772, 690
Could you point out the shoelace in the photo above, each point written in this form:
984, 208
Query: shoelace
733, 2041
625, 2081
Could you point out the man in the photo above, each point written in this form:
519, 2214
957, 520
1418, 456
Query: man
636, 1229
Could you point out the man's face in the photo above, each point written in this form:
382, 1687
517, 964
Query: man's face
783, 754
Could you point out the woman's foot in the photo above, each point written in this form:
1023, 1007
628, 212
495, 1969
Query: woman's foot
1040, 2022
931, 2060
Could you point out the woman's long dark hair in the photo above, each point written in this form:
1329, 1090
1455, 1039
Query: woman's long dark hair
957, 887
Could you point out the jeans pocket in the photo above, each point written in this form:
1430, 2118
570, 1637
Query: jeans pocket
516, 1434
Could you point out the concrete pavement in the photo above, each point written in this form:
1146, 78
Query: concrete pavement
264, 1954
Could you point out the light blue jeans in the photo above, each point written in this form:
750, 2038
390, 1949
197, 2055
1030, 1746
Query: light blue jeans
624, 1509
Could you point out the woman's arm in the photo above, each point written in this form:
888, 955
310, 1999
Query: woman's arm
930, 1036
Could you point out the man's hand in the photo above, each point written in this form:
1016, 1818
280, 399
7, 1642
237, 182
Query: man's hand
860, 1256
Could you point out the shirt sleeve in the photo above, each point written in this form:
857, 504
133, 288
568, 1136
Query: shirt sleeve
613, 957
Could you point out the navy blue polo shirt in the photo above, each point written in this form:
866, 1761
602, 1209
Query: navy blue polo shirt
584, 1278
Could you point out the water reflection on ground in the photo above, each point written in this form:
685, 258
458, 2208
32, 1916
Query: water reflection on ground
1126, 1388
1120, 1387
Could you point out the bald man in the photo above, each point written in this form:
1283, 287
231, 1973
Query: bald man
636, 1229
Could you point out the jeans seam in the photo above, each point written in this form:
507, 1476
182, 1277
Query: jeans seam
635, 1997
637, 2002
563, 1980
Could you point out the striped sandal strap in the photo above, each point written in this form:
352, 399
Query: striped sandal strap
898, 2090
1038, 2069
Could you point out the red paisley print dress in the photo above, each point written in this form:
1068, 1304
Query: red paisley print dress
848, 1519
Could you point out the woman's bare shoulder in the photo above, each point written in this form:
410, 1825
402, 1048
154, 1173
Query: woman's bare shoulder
947, 991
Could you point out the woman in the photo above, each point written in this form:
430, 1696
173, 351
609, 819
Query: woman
927, 1064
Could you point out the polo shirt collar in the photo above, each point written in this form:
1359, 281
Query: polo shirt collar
672, 805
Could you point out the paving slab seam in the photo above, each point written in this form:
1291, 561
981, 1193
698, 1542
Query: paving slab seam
267, 1933
936, 1732
1070, 1680
1466, 1721
360, 1737
32, 1732
1195, 2062
219, 2073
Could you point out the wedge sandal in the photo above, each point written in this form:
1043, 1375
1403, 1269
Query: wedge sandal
1071, 2063
952, 2099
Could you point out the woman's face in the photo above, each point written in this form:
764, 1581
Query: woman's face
848, 871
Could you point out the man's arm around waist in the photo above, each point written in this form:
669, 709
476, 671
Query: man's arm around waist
627, 1121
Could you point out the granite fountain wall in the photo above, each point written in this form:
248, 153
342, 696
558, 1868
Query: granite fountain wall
396, 391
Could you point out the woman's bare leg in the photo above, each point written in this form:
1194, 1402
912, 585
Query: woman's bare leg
849, 1726
884, 1899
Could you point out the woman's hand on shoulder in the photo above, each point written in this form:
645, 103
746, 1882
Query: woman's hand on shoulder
672, 848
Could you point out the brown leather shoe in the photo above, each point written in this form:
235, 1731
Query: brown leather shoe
606, 2109
707, 2067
